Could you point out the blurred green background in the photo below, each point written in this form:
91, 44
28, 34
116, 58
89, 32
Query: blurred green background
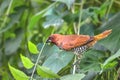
22, 21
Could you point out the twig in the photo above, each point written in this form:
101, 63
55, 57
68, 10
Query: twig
109, 9
7, 13
77, 30
74, 24
80, 16
37, 62
74, 66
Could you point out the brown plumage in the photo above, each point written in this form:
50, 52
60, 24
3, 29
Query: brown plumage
76, 43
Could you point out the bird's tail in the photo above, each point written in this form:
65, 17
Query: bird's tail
102, 35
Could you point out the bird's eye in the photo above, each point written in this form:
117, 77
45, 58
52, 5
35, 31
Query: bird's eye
51, 38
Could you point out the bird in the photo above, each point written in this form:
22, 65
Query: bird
76, 43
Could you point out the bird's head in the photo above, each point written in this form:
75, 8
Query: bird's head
53, 38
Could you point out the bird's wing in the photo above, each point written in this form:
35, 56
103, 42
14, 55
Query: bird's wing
72, 41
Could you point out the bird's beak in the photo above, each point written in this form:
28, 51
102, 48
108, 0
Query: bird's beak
48, 41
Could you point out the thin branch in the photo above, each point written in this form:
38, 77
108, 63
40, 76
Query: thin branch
7, 13
80, 16
117, 2
31, 78
74, 24
74, 65
108, 11
75, 30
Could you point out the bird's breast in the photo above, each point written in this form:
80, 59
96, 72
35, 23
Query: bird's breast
80, 49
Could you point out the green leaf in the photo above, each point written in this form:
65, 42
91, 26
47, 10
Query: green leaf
37, 16
111, 58
14, 19
48, 50
53, 20
109, 65
34, 19
3, 7
13, 44
73, 77
67, 2
46, 72
91, 60
58, 60
87, 29
17, 74
112, 42
32, 48
26, 62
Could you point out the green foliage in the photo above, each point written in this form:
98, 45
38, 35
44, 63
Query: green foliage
25, 23
58, 60
112, 41
108, 63
17, 74
36, 17
32, 48
26, 62
67, 2
73, 77
91, 61
46, 72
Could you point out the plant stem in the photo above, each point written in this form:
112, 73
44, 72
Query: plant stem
74, 66
75, 30
80, 16
6, 15
74, 24
108, 11
117, 2
37, 62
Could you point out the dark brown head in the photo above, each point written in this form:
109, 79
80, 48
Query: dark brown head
53, 38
